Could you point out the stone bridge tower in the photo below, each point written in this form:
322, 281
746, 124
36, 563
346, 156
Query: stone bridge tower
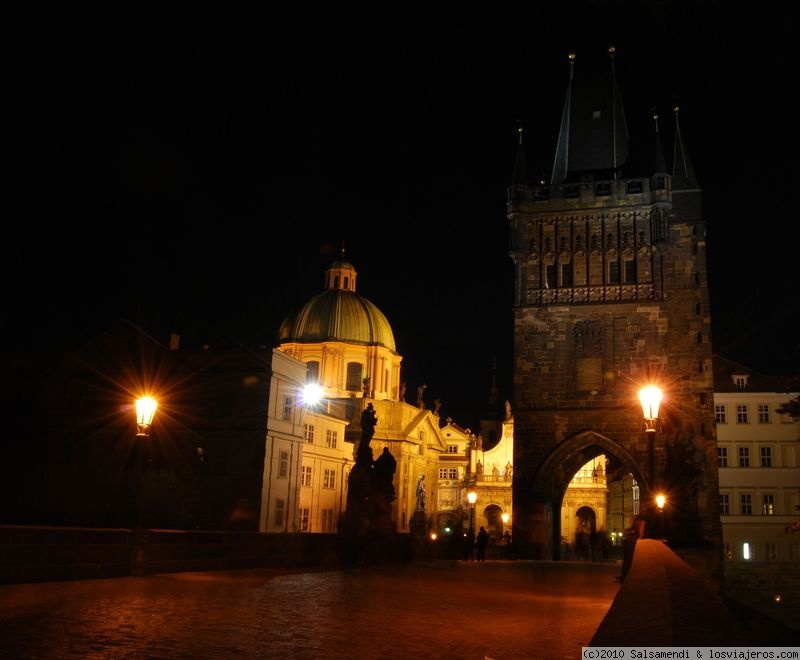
611, 294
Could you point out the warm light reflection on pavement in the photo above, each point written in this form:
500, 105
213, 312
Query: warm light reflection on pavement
502, 610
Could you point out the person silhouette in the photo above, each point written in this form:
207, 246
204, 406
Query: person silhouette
481, 541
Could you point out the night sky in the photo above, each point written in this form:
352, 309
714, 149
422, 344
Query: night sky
201, 175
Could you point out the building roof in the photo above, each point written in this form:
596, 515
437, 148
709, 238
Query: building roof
338, 314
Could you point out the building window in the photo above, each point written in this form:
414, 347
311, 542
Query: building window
327, 520
720, 415
329, 478
283, 464
550, 276
722, 456
744, 456
331, 438
771, 551
766, 457
452, 449
746, 553
304, 520
630, 271
740, 382
305, 475
442, 473
309, 432
280, 508
453, 473
353, 376
741, 414
724, 504
312, 375
613, 272
747, 504
768, 504
287, 408
566, 274
763, 413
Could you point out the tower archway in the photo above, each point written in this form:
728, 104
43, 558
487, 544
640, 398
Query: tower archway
555, 474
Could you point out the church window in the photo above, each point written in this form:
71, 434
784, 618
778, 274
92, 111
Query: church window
335, 281
353, 376
347, 283
304, 519
312, 375
283, 464
280, 508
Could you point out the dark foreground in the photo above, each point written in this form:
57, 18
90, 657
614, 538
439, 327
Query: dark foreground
495, 609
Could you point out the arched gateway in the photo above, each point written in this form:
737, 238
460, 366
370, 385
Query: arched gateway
554, 476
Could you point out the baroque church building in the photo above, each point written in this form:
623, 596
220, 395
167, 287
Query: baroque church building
344, 345
611, 295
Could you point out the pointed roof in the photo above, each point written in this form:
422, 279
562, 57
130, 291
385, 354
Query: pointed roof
683, 177
593, 139
659, 162
519, 177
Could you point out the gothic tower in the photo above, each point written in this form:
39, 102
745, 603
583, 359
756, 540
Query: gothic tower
611, 295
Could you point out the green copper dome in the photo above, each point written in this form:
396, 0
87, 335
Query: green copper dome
338, 314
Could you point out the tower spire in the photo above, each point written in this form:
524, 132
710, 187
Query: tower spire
659, 163
519, 177
683, 177
561, 162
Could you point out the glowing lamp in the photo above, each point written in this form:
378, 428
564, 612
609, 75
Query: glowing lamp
650, 397
660, 501
312, 393
145, 411
472, 497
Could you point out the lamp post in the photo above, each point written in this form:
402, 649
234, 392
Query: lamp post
650, 398
145, 411
472, 497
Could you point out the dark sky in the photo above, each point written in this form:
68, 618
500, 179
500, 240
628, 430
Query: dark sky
200, 174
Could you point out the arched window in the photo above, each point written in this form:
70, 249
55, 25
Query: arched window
312, 375
353, 376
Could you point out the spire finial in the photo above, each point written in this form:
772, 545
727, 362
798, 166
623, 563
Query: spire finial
341, 252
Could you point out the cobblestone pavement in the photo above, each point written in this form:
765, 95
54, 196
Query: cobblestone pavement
461, 610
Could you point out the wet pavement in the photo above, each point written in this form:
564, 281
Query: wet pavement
502, 610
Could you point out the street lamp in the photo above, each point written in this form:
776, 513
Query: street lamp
145, 411
472, 497
650, 398
505, 521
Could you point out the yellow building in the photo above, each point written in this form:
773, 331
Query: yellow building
348, 348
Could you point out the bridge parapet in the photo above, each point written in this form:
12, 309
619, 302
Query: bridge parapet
664, 602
